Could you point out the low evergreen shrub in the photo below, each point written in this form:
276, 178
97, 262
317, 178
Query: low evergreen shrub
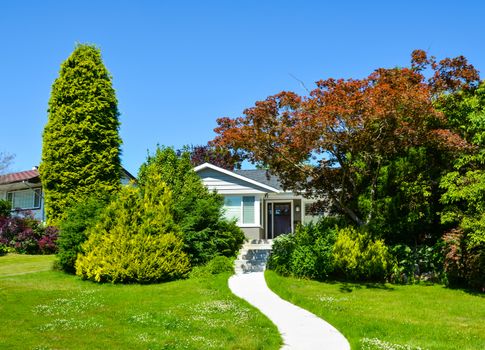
73, 231
135, 239
356, 256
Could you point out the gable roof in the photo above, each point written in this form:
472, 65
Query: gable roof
27, 175
34, 176
261, 176
241, 176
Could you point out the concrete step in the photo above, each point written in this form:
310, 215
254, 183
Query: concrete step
253, 256
257, 246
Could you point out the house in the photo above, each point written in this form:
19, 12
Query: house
262, 208
24, 191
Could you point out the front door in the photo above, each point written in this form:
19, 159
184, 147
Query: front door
279, 219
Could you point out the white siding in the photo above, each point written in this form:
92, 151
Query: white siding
226, 184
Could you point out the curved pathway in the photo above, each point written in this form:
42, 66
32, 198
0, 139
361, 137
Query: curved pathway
299, 328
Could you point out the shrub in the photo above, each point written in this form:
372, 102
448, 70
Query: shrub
464, 261
197, 211
48, 241
306, 253
358, 257
423, 262
3, 249
135, 239
25, 235
5, 208
281, 253
73, 231
219, 264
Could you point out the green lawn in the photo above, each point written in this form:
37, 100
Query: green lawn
44, 309
392, 316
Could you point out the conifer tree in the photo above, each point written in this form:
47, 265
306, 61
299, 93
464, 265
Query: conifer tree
81, 144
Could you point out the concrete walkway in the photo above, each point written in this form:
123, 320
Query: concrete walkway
299, 328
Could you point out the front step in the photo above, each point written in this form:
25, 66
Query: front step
253, 256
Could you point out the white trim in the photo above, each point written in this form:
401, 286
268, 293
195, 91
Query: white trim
266, 214
237, 176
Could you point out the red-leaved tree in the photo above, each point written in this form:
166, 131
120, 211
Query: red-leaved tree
332, 144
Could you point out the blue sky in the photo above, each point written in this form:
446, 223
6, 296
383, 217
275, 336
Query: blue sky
179, 65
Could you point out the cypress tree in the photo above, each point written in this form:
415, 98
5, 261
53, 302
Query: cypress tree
81, 144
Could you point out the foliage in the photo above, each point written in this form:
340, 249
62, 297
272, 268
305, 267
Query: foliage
81, 145
219, 264
419, 263
73, 231
356, 256
464, 190
3, 249
135, 239
26, 235
306, 253
197, 211
464, 263
5, 208
218, 156
334, 143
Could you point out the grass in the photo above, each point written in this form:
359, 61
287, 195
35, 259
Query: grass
374, 316
45, 309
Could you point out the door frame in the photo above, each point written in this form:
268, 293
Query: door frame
272, 201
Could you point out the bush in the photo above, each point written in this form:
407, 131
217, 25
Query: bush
358, 257
219, 264
281, 254
464, 261
3, 249
423, 262
135, 239
306, 253
197, 211
25, 235
73, 231
5, 208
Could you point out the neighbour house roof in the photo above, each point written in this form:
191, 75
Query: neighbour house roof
33, 176
27, 175
271, 185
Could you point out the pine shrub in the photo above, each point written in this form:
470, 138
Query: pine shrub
135, 239
356, 256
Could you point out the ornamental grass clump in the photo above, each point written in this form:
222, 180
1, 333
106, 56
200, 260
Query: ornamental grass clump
135, 240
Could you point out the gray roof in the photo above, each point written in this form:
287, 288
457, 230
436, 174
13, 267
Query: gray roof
261, 176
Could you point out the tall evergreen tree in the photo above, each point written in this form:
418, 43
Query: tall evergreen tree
81, 144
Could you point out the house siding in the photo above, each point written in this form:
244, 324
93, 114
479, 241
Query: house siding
225, 184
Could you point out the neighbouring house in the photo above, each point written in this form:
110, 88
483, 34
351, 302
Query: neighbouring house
24, 191
262, 208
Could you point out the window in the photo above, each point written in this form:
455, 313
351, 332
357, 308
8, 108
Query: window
25, 199
240, 208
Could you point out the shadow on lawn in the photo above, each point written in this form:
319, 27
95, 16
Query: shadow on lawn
349, 287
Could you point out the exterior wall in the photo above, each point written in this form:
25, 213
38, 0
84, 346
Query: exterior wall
253, 232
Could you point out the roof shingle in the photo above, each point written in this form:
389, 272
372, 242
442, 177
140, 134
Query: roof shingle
19, 177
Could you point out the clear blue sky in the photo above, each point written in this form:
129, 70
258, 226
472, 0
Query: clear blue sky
179, 65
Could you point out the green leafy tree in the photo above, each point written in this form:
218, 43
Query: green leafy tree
197, 211
135, 239
464, 196
81, 144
